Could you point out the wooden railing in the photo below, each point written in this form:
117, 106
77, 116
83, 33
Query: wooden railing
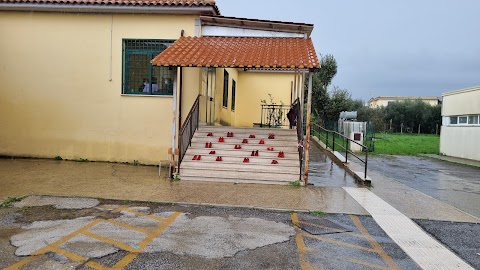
188, 130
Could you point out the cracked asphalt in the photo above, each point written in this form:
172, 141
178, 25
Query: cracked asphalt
52, 233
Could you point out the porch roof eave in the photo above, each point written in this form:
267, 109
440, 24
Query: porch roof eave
240, 52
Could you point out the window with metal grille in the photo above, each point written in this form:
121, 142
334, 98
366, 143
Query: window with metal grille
225, 88
234, 89
139, 76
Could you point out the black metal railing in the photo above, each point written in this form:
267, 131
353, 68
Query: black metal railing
274, 116
336, 141
188, 129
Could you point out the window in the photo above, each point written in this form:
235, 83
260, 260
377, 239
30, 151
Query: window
462, 119
453, 120
139, 76
465, 120
473, 120
234, 86
225, 88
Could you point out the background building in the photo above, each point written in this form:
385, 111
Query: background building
461, 124
385, 100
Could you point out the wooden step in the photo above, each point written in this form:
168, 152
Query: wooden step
233, 181
283, 166
239, 159
239, 140
230, 174
276, 131
245, 147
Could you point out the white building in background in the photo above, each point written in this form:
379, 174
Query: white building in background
460, 133
385, 100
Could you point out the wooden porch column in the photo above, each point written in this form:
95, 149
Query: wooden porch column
309, 115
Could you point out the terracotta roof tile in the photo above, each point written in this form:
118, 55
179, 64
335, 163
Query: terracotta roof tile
120, 2
242, 52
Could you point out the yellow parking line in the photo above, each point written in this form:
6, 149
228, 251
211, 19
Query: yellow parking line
388, 260
339, 243
70, 255
47, 248
128, 226
110, 241
301, 248
144, 215
130, 257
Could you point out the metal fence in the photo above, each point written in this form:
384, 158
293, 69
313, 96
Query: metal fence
188, 129
274, 116
337, 142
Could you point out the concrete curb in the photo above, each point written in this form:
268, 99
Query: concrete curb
340, 160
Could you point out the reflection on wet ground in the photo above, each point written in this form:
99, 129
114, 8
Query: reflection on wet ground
326, 173
451, 183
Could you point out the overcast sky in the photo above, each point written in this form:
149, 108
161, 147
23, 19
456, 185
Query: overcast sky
407, 47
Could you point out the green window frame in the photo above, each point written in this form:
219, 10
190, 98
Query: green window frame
234, 90
139, 76
225, 88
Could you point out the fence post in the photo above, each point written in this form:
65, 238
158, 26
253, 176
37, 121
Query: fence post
333, 144
346, 150
366, 163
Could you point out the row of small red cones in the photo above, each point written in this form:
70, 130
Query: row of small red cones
281, 154
221, 140
219, 158
271, 136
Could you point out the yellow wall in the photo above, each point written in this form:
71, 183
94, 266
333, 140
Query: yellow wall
56, 97
252, 87
191, 89
226, 116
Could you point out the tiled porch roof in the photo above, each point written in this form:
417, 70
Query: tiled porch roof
240, 52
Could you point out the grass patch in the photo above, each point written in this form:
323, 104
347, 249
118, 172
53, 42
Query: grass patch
407, 144
58, 158
318, 213
10, 200
295, 184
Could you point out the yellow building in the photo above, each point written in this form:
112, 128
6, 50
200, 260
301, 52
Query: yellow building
461, 123
385, 100
76, 78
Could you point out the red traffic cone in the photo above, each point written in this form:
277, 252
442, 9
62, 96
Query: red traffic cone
251, 136
274, 162
261, 141
245, 141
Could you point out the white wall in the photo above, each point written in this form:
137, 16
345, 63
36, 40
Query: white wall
458, 141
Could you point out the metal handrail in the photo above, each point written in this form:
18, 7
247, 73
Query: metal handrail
331, 141
187, 131
274, 115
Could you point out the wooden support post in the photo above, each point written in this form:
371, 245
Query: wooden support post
309, 115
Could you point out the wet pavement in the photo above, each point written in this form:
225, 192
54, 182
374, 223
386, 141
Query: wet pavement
323, 172
453, 184
136, 235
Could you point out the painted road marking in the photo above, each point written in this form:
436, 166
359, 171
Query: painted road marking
427, 252
133, 251
303, 250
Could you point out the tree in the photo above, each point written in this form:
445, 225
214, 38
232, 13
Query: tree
321, 80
